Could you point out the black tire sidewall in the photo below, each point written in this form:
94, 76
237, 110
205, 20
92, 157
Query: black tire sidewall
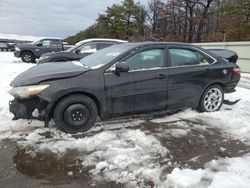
66, 102
31, 55
201, 104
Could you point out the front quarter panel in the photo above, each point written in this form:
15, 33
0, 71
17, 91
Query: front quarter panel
90, 83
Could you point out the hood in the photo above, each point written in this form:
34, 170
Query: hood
47, 71
25, 45
57, 55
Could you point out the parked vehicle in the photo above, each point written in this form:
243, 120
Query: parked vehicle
123, 79
11, 46
80, 50
3, 46
29, 52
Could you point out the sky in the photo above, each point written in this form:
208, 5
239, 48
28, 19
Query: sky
55, 18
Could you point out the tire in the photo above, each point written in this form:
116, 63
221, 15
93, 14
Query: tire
28, 57
75, 113
212, 99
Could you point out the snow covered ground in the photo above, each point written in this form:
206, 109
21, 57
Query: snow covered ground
19, 37
127, 153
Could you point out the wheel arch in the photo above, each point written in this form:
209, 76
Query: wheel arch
222, 85
27, 51
54, 102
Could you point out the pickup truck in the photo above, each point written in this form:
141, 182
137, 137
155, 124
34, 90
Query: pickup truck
30, 52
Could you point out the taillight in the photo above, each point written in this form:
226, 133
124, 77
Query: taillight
236, 71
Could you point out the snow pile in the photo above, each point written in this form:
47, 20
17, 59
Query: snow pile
136, 159
184, 178
245, 80
231, 119
123, 156
10, 67
19, 37
181, 129
229, 172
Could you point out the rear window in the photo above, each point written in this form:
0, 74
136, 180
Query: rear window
103, 45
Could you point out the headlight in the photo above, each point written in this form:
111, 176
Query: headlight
44, 57
17, 49
27, 91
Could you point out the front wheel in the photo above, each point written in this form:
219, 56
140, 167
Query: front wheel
212, 99
75, 113
28, 57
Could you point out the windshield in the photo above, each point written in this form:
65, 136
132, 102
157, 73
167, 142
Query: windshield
105, 55
36, 41
72, 48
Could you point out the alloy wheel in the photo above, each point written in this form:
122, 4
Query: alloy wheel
213, 99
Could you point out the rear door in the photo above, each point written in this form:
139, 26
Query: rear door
188, 73
56, 45
143, 88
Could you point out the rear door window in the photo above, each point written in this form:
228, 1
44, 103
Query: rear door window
188, 57
55, 44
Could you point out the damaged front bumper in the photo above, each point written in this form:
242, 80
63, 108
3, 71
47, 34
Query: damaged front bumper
32, 108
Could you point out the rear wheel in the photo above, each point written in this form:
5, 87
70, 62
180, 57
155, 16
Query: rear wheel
212, 99
28, 57
75, 113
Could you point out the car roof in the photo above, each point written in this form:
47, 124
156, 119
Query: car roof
100, 39
49, 38
149, 43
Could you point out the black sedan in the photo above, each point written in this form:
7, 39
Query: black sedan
123, 79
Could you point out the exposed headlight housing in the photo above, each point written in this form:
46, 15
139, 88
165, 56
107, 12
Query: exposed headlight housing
17, 49
27, 91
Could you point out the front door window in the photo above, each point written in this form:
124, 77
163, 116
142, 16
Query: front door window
146, 60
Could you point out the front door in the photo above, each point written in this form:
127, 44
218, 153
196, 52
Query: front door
143, 88
45, 48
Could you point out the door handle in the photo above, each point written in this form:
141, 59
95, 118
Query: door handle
208, 70
161, 76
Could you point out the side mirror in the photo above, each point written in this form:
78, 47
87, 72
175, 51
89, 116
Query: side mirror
121, 67
78, 51
39, 44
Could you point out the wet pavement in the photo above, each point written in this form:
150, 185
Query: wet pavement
191, 144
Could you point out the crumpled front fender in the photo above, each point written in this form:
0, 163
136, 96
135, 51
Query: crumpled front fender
33, 108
